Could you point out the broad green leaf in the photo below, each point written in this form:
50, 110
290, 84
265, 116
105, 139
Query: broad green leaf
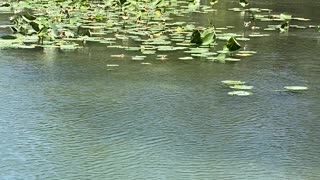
28, 16
222, 58
35, 26
138, 58
285, 16
232, 44
196, 37
68, 47
208, 36
8, 37
208, 39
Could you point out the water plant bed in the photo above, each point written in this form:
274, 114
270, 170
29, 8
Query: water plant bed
68, 24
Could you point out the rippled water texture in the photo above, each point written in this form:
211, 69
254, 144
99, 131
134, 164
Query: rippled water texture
66, 115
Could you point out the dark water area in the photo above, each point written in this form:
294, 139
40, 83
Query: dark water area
68, 115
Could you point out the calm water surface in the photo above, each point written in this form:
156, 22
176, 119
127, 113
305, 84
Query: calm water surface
66, 115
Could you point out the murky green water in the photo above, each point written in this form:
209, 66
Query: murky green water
66, 115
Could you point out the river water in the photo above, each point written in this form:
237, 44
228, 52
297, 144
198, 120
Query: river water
67, 115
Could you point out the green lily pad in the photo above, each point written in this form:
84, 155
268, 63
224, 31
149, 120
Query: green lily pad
68, 47
235, 9
232, 59
198, 55
243, 54
285, 16
148, 52
258, 35
138, 58
296, 88
221, 28
133, 48
298, 26
117, 55
208, 38
239, 93
112, 65
145, 63
241, 86
183, 44
221, 58
301, 19
243, 39
233, 82
165, 48
186, 58
180, 48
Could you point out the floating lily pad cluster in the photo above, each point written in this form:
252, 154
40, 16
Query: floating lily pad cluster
147, 27
144, 26
240, 89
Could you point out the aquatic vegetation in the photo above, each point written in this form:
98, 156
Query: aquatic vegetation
205, 38
296, 88
149, 29
239, 93
240, 86
143, 26
243, 87
233, 82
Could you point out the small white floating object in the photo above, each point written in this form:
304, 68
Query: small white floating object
296, 88
117, 55
239, 93
138, 58
186, 58
146, 63
242, 87
112, 65
232, 59
232, 82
